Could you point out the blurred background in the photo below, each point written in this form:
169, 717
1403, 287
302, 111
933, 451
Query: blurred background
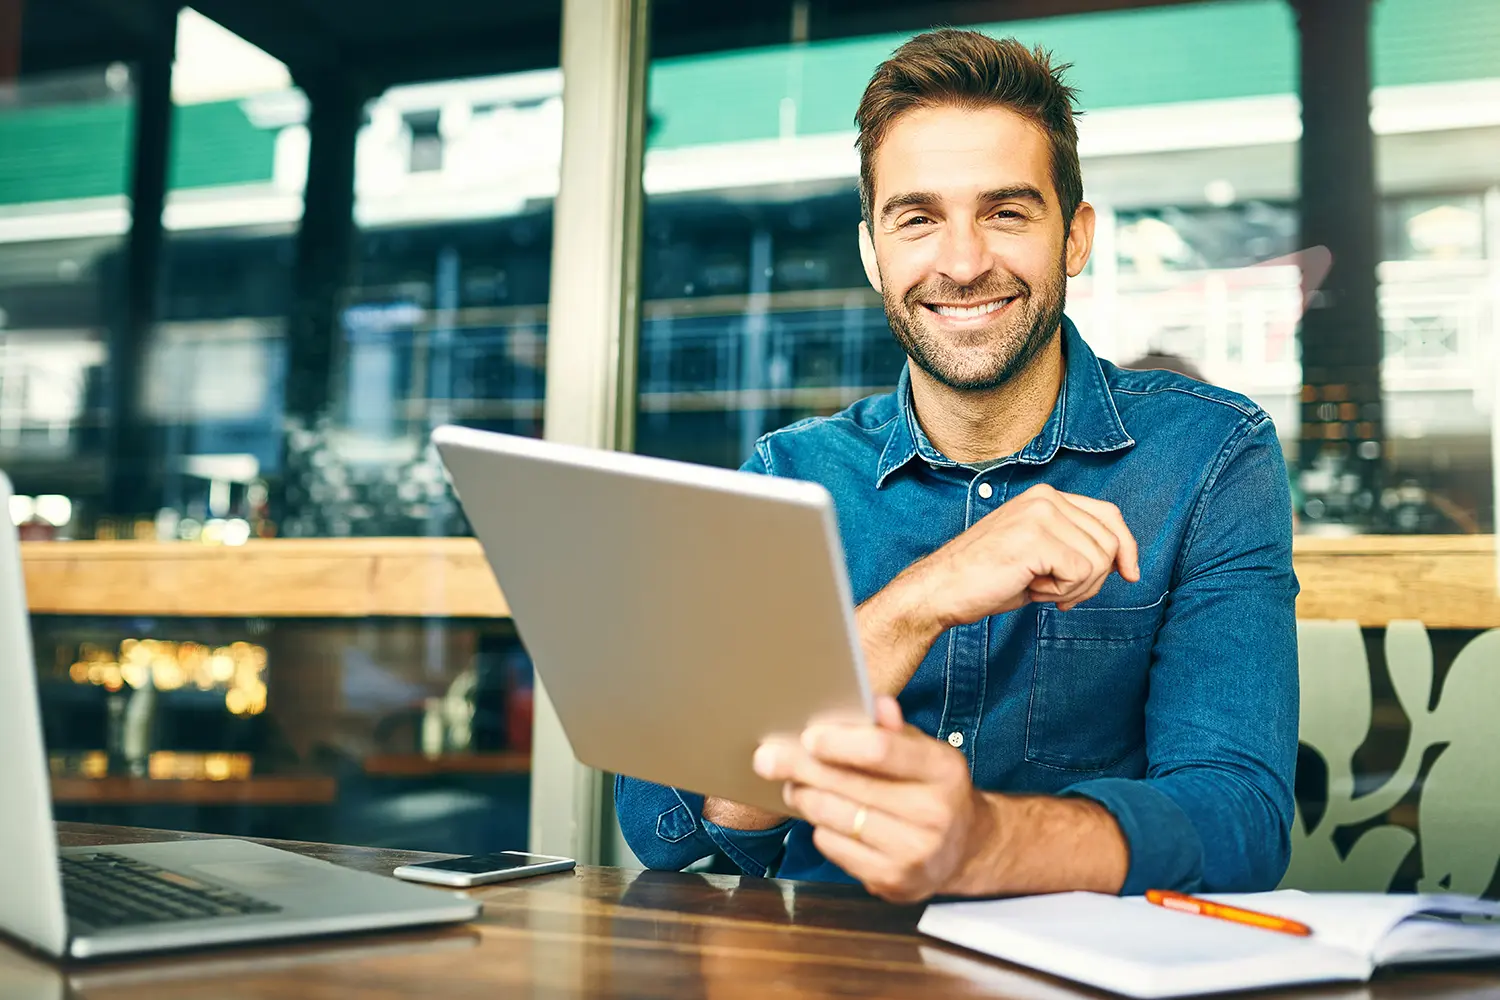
252, 253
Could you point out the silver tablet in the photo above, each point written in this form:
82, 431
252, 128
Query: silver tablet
677, 614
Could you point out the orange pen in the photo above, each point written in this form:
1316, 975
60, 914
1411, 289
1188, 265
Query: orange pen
1184, 903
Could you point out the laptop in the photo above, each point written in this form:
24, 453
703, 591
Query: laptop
93, 902
677, 615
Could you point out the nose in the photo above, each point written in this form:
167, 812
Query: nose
965, 256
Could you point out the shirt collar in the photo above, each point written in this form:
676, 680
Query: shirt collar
1084, 418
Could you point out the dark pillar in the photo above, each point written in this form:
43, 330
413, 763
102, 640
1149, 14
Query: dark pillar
132, 465
325, 246
324, 261
1342, 426
10, 39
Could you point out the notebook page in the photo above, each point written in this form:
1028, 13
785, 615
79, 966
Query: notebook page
1356, 921
1138, 950
1429, 937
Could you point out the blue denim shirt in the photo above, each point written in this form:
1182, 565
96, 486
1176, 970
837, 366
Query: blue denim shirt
1172, 702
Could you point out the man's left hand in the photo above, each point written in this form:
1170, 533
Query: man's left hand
891, 806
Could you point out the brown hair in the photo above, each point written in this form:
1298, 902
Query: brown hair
971, 71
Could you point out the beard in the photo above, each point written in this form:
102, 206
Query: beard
993, 355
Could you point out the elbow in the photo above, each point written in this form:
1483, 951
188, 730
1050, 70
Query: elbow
1263, 850
658, 826
1275, 855
661, 855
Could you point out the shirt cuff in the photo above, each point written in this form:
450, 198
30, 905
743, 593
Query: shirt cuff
755, 851
1165, 849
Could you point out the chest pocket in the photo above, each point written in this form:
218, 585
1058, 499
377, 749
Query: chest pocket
1088, 690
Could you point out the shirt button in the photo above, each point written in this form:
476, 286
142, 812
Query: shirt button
985, 492
955, 739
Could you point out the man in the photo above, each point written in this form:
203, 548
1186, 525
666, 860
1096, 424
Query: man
1075, 585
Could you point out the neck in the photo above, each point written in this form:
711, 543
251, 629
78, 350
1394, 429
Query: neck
978, 426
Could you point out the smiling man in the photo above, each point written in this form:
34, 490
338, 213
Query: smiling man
1075, 581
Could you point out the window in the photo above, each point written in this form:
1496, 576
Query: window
64, 151
758, 311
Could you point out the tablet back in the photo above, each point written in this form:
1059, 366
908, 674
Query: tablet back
676, 614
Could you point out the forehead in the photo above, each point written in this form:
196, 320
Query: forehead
955, 152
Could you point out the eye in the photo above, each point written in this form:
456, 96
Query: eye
914, 220
1007, 215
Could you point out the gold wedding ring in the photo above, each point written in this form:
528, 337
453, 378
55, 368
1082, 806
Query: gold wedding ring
860, 815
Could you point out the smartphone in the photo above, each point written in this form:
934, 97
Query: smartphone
480, 869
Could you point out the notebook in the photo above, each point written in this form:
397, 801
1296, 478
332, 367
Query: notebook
1128, 946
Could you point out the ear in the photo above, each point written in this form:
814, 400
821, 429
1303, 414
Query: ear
867, 257
1080, 238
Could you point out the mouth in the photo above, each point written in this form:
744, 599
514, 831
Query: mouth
968, 311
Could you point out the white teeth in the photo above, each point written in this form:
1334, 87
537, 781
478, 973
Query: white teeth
968, 312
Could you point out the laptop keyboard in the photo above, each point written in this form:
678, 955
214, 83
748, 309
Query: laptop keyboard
109, 890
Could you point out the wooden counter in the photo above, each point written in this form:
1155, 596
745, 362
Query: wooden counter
608, 932
284, 578
1446, 581
261, 790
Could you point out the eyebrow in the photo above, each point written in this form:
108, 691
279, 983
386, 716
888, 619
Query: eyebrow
917, 199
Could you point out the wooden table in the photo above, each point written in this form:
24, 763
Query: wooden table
605, 932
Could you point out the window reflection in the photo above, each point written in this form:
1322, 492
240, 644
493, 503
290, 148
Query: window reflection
1201, 238
758, 312
62, 137
374, 732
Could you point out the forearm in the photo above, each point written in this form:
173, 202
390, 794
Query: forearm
895, 635
1037, 844
734, 816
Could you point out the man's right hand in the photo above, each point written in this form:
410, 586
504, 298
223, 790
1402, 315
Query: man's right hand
1044, 545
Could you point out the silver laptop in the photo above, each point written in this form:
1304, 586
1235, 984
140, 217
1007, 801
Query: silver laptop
83, 903
677, 614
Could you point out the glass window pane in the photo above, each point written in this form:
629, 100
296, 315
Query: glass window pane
383, 732
758, 311
64, 154
1438, 155
387, 730
445, 316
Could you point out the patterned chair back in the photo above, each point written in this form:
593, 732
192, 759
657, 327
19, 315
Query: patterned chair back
1457, 836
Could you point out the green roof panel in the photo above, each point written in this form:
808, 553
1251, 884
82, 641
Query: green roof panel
83, 150
1189, 52
1436, 41
215, 144
1192, 52
73, 151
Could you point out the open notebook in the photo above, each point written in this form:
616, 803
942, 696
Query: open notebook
1129, 946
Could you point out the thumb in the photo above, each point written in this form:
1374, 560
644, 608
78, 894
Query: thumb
888, 714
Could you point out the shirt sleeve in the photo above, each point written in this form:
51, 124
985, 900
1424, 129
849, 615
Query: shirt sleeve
666, 830
1215, 809
665, 826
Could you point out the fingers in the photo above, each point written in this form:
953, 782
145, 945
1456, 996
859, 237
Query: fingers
879, 827
1107, 540
888, 804
1078, 564
858, 859
888, 714
890, 855
894, 858
1095, 534
906, 754
848, 759
1108, 516
860, 761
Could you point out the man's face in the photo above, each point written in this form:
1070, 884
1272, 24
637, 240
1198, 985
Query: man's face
967, 244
